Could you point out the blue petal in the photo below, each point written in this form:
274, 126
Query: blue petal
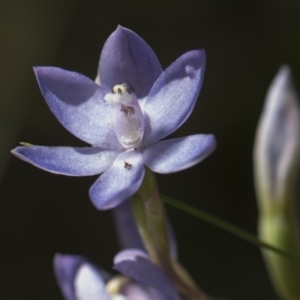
78, 103
128, 233
174, 155
137, 265
119, 182
89, 284
127, 58
172, 241
67, 160
126, 227
140, 292
65, 269
78, 278
173, 96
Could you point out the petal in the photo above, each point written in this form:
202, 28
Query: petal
127, 58
277, 145
71, 278
173, 96
137, 265
128, 233
178, 154
119, 182
67, 160
136, 291
139, 292
78, 103
126, 227
172, 241
65, 269
89, 284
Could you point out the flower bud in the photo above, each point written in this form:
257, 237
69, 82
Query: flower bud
276, 168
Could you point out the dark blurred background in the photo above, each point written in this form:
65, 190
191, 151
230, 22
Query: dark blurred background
42, 213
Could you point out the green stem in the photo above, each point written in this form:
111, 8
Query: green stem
151, 220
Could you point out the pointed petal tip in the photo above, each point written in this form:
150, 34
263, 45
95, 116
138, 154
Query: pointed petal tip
57, 256
285, 68
38, 70
57, 259
15, 152
120, 27
41, 73
60, 260
38, 73
121, 31
281, 85
67, 261
45, 70
284, 73
60, 256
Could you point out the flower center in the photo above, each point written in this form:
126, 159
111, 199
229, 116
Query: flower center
115, 286
128, 118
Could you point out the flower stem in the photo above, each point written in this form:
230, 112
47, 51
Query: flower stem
150, 216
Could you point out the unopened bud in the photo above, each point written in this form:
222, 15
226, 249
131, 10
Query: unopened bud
276, 168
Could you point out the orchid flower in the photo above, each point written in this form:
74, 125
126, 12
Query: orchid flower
124, 115
80, 279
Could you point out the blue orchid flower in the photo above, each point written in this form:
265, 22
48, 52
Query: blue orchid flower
132, 105
80, 279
